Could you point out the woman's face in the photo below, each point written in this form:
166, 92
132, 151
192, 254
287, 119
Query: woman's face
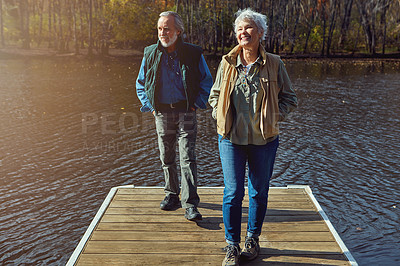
247, 34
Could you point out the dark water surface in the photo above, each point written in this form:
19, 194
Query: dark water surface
71, 129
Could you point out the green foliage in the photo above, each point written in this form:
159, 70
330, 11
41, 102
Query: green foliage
132, 19
315, 40
11, 26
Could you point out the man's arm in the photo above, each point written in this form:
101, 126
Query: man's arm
140, 81
205, 84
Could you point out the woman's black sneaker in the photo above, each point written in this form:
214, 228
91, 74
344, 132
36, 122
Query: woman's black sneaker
251, 248
232, 256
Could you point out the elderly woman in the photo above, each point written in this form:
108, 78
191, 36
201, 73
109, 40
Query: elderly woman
251, 94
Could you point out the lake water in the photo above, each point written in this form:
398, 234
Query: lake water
71, 129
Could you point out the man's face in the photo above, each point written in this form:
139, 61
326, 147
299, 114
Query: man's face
167, 32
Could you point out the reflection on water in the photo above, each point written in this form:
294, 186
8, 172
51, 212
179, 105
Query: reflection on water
71, 130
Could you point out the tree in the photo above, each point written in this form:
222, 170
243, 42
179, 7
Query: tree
276, 17
323, 17
24, 23
385, 7
40, 8
334, 6
1, 23
90, 49
215, 26
311, 9
347, 7
49, 24
294, 13
368, 10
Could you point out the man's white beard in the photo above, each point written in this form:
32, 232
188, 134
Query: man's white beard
171, 41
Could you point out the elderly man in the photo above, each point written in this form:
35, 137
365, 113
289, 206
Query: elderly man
173, 82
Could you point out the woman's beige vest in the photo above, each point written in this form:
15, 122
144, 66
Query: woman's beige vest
269, 83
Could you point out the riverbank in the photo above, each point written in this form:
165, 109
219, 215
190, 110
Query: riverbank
16, 52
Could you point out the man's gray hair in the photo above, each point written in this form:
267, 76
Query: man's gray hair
178, 20
248, 14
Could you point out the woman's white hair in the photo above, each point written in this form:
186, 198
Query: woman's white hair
248, 14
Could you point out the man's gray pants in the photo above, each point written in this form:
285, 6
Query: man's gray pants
181, 126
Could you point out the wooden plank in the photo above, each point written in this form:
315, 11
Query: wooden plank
202, 191
316, 226
192, 247
203, 211
214, 236
201, 260
210, 198
173, 218
156, 204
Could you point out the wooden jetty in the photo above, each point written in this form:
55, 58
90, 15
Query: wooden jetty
130, 229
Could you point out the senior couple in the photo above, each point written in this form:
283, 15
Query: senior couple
251, 94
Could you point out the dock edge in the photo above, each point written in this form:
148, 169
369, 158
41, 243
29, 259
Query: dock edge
78, 250
324, 216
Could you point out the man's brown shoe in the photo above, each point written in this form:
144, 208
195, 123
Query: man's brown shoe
192, 214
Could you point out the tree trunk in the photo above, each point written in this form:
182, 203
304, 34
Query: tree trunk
345, 22
215, 28
191, 22
185, 10
177, 3
281, 18
41, 5
293, 35
323, 14
90, 48
61, 42
105, 43
357, 39
222, 29
383, 21
1, 23
332, 24
49, 22
270, 40
310, 25
24, 20
367, 12
81, 23
75, 29
56, 44
373, 34
240, 4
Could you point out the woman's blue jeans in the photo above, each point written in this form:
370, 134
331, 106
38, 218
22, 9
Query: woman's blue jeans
260, 159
